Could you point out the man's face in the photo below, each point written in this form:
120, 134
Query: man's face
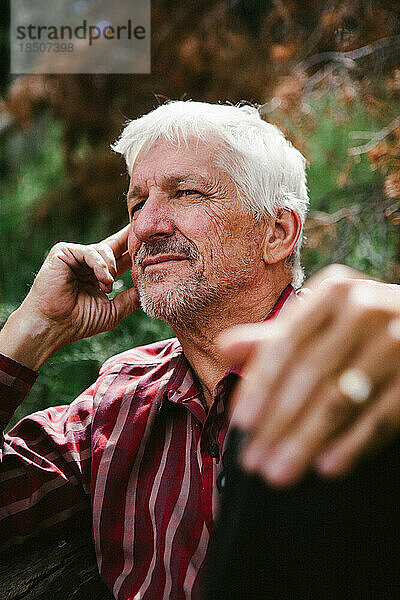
191, 243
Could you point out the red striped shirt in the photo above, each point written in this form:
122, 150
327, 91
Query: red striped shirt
142, 447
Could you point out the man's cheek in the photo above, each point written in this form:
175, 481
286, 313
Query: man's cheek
133, 242
133, 247
135, 269
134, 274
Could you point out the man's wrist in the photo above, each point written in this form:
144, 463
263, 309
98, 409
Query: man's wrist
29, 339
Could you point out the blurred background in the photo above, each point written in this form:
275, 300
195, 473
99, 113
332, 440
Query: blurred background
327, 73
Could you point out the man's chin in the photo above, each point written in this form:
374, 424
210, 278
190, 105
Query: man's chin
159, 287
177, 302
161, 306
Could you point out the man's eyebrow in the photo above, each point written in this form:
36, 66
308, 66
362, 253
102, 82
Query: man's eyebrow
135, 192
186, 179
172, 181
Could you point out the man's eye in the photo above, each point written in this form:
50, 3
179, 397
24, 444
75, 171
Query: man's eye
185, 193
137, 207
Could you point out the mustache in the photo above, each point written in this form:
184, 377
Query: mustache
166, 246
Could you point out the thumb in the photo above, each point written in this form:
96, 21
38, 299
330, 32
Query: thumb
335, 272
238, 343
125, 303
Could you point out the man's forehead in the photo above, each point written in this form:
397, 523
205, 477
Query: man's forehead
190, 155
168, 165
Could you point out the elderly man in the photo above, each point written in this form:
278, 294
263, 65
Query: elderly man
216, 202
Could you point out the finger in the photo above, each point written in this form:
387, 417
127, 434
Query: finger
100, 268
276, 418
268, 360
125, 303
315, 317
380, 364
377, 425
269, 356
123, 264
118, 242
298, 384
77, 256
251, 394
380, 359
237, 343
108, 255
287, 462
331, 273
300, 435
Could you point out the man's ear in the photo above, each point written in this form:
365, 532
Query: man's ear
281, 236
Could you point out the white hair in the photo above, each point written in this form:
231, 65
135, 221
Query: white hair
269, 173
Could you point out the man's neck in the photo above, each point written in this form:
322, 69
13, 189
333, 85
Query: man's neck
200, 343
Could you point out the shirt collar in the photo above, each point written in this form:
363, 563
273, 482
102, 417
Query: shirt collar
285, 295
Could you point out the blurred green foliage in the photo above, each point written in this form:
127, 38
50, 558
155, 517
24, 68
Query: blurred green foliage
33, 218
29, 226
345, 186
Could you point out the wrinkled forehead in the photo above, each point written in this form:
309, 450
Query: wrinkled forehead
194, 161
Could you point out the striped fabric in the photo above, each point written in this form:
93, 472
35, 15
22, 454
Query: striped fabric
142, 448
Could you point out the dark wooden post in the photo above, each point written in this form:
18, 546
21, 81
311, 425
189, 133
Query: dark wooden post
64, 569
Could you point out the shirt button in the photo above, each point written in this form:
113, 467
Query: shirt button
213, 450
221, 481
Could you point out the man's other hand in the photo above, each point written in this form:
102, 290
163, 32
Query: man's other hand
321, 383
68, 300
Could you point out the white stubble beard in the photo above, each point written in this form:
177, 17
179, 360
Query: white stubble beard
190, 302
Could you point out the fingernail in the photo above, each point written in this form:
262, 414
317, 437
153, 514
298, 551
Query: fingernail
328, 463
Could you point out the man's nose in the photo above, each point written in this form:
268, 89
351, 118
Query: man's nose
153, 220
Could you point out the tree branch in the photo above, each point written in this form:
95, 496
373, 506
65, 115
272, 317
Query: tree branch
375, 139
349, 58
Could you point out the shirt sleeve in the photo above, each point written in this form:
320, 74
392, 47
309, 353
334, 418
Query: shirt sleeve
44, 460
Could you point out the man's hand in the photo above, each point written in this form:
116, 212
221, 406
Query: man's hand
321, 384
68, 300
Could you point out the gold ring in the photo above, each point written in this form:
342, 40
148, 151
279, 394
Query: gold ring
355, 385
394, 328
